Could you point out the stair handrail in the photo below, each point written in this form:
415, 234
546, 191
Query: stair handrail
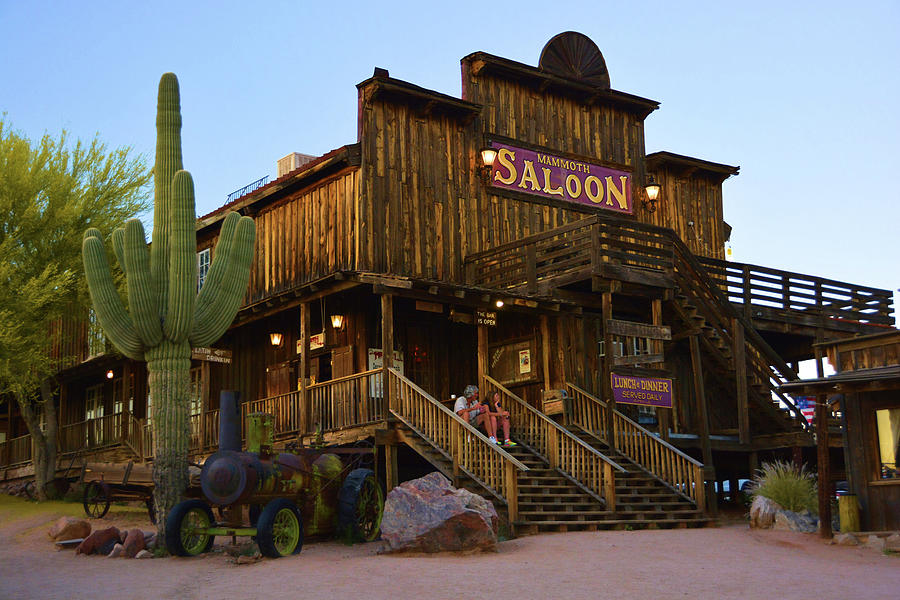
563, 450
683, 474
469, 450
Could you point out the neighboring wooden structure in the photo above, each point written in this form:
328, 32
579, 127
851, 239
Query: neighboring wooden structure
866, 391
447, 272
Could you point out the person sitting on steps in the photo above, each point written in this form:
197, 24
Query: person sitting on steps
469, 408
498, 415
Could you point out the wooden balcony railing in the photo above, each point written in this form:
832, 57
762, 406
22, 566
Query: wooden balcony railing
591, 468
756, 286
285, 408
468, 449
679, 471
120, 428
204, 431
16, 451
347, 401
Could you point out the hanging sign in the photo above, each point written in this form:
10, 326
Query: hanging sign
486, 317
561, 178
216, 355
645, 391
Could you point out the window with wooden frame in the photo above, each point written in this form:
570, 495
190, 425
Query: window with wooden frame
196, 405
203, 261
120, 394
887, 428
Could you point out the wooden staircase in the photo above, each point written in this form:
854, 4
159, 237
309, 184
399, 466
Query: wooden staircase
550, 501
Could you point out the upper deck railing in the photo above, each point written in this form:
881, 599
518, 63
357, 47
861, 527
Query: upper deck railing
250, 187
586, 246
763, 287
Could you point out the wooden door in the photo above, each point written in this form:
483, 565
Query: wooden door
278, 379
344, 400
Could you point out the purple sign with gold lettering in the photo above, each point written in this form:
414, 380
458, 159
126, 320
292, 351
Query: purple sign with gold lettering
645, 391
560, 178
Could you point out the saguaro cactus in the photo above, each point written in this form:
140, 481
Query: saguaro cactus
167, 315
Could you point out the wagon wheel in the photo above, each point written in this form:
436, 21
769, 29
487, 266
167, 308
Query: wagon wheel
280, 529
96, 499
184, 528
360, 506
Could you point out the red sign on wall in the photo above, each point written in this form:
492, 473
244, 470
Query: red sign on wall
561, 178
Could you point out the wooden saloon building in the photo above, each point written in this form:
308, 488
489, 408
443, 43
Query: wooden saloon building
504, 238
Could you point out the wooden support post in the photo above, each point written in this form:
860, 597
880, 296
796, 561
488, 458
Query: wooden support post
740, 379
512, 491
747, 293
545, 351
391, 477
482, 356
456, 440
663, 415
305, 412
609, 486
734, 491
823, 458
387, 330
204, 401
709, 473
753, 463
608, 359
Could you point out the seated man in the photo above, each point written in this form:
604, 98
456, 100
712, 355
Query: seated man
497, 414
469, 408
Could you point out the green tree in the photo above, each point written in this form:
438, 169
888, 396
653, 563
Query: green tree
50, 191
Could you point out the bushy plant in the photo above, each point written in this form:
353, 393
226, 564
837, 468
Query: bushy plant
794, 489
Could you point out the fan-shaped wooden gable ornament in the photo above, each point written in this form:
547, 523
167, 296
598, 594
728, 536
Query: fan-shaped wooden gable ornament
575, 56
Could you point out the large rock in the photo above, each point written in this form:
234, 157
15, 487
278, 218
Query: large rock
430, 515
762, 512
69, 528
846, 539
787, 520
134, 542
892, 542
101, 540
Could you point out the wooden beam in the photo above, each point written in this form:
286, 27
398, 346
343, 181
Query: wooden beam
663, 415
482, 360
391, 475
703, 417
304, 368
740, 378
545, 351
822, 454
639, 359
608, 361
387, 330
642, 330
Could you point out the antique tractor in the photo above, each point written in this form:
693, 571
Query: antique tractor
306, 491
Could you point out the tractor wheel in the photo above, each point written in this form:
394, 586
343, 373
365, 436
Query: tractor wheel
184, 535
96, 499
360, 507
279, 531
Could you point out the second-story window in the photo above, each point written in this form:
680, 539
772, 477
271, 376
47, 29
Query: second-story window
96, 342
203, 260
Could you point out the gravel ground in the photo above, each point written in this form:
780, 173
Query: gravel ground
731, 561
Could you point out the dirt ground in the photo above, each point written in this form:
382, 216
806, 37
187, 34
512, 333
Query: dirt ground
731, 561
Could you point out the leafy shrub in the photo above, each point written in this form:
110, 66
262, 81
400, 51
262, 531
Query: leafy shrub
782, 482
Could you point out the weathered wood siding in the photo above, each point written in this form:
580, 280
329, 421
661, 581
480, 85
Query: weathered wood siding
425, 207
692, 206
308, 235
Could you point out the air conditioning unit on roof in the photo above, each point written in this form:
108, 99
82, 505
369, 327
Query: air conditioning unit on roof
292, 161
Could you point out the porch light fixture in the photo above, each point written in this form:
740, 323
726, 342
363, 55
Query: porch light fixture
110, 374
499, 303
337, 321
276, 338
652, 191
488, 156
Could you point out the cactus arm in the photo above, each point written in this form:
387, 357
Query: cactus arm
219, 264
141, 297
108, 305
118, 243
168, 162
210, 326
182, 259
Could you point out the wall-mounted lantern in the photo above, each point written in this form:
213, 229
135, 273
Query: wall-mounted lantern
276, 338
651, 191
488, 156
498, 303
337, 321
110, 374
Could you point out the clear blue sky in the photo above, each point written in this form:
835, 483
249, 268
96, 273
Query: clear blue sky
804, 98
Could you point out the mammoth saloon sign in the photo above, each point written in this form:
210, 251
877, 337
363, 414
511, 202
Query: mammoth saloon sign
555, 177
